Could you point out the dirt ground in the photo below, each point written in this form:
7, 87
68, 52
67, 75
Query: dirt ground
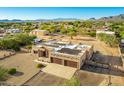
24, 64
90, 79
44, 79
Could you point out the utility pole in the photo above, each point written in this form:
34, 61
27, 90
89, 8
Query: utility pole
109, 77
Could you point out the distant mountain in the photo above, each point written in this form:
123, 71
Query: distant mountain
113, 18
14, 20
64, 19
92, 19
39, 20
109, 18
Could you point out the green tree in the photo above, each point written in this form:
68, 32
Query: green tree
16, 41
71, 32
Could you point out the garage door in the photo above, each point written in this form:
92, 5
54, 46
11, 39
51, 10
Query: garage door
56, 60
70, 63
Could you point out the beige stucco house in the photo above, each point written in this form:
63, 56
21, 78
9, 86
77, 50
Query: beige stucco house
72, 55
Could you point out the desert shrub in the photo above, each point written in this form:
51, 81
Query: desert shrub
29, 47
72, 82
39, 65
110, 40
92, 34
3, 73
12, 71
16, 42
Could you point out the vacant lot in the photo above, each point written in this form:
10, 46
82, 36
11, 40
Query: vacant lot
24, 64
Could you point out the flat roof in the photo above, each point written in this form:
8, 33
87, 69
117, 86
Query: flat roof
69, 51
38, 30
106, 32
63, 47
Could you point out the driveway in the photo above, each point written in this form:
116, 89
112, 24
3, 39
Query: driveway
59, 70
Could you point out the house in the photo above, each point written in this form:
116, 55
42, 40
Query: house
2, 33
122, 43
37, 40
13, 31
2, 30
39, 33
63, 53
104, 32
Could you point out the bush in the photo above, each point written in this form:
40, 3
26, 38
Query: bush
16, 42
39, 65
12, 71
92, 34
110, 40
72, 82
29, 47
3, 74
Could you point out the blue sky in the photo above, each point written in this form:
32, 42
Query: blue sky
58, 12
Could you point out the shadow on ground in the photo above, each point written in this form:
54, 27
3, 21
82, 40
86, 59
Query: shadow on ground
86, 39
89, 79
100, 70
106, 59
18, 73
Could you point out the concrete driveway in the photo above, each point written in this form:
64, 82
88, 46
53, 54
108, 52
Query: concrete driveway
59, 70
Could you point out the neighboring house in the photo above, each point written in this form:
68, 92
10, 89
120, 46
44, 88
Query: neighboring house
12, 31
63, 53
2, 33
122, 43
2, 30
37, 40
39, 33
104, 32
